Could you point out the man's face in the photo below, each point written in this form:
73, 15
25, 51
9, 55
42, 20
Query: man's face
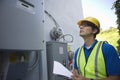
86, 30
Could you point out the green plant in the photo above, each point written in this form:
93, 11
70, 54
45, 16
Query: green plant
110, 35
116, 6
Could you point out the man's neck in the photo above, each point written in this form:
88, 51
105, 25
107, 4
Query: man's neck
89, 41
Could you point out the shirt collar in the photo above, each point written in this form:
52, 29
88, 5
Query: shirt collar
91, 46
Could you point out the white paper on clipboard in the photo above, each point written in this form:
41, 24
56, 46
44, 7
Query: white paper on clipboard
61, 70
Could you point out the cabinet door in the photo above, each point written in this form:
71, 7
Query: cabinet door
21, 24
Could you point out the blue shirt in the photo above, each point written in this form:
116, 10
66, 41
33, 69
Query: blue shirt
111, 57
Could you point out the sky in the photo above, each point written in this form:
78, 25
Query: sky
101, 9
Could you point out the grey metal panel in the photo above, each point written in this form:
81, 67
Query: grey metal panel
43, 66
17, 71
56, 51
40, 71
21, 24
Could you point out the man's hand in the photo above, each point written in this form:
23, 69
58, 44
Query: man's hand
76, 76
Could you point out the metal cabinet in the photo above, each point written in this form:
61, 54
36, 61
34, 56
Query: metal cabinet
56, 51
21, 24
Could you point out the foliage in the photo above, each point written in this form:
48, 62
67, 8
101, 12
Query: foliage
111, 36
116, 6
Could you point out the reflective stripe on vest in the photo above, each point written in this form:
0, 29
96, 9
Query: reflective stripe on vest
95, 67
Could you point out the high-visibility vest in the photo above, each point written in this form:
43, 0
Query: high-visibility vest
95, 67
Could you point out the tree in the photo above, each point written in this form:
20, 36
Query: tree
116, 6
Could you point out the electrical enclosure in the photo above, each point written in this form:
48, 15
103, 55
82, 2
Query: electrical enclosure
21, 24
56, 51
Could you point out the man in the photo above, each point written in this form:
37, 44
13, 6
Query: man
95, 60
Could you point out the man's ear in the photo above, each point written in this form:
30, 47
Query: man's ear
95, 31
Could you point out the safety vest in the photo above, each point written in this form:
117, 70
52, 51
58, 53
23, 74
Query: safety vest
94, 67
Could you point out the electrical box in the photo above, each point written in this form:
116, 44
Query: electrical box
56, 51
21, 24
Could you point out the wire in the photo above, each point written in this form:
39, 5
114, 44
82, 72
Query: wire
53, 31
35, 61
63, 36
57, 25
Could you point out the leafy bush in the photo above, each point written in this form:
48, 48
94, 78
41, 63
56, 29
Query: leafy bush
111, 36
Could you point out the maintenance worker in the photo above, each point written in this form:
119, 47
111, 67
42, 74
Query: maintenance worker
95, 60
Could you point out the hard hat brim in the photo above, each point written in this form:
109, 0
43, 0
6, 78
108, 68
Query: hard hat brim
81, 21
